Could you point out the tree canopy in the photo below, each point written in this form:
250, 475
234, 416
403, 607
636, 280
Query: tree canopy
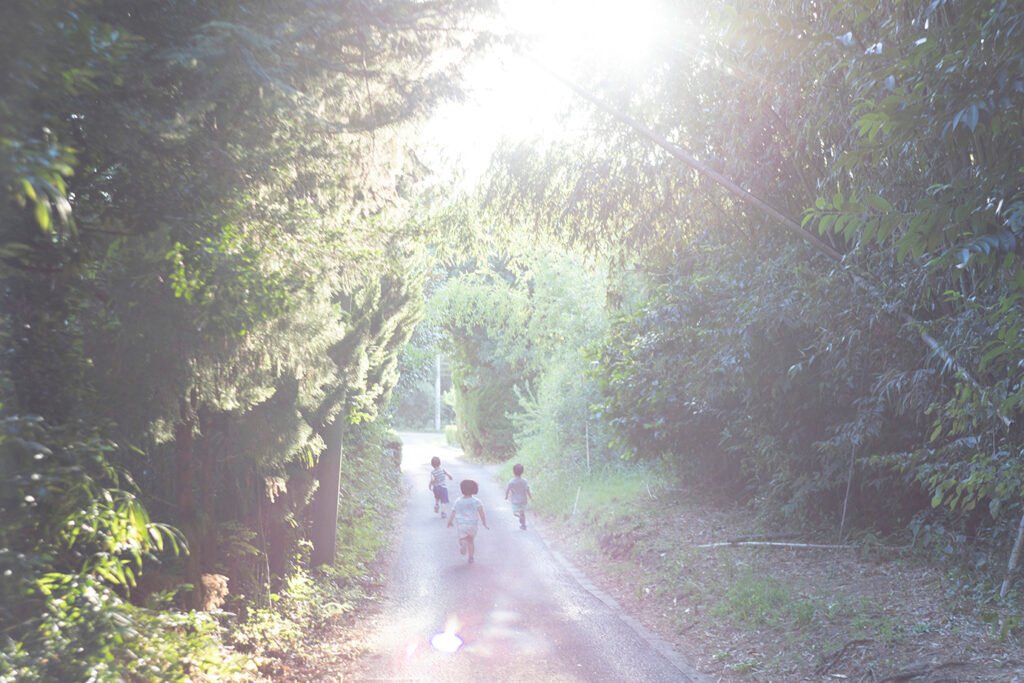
207, 276
782, 258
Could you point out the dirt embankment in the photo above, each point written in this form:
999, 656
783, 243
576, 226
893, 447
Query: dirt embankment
777, 613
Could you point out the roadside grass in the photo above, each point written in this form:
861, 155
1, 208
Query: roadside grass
607, 494
759, 601
750, 613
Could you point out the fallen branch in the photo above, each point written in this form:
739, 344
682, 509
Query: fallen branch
774, 544
764, 537
834, 658
918, 670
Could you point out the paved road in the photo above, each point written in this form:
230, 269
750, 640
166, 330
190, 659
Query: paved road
520, 612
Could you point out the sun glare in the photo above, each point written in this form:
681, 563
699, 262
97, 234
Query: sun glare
606, 33
448, 641
513, 97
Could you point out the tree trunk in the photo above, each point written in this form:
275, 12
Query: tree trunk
273, 524
324, 509
184, 452
213, 428
1011, 565
184, 447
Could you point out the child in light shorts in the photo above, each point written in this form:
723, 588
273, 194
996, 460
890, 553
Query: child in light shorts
466, 513
518, 493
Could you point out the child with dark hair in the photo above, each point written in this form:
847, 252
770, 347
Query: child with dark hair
437, 485
518, 493
465, 513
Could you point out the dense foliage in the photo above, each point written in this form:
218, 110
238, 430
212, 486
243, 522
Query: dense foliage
209, 266
206, 280
795, 369
485, 312
517, 331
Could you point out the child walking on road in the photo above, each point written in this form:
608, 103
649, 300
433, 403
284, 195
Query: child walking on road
437, 485
518, 493
465, 514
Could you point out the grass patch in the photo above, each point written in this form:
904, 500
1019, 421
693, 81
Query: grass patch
607, 494
748, 612
867, 622
755, 601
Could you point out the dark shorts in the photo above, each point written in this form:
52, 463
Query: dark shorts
441, 493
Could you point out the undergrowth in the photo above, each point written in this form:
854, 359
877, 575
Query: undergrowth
608, 492
63, 625
306, 602
622, 520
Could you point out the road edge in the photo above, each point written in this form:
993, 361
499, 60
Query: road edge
660, 645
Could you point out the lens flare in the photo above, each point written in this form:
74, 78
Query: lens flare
448, 641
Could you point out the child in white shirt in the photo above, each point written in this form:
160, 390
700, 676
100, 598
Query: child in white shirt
466, 512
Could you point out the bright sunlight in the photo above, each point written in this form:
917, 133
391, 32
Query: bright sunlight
512, 95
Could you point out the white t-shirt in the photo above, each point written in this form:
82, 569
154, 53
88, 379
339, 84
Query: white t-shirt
465, 511
517, 489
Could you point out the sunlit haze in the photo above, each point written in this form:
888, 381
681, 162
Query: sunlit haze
512, 96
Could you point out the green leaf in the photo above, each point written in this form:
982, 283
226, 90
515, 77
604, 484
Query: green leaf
878, 203
826, 222
850, 227
157, 537
886, 227
904, 246
971, 117
139, 517
42, 212
870, 228
27, 189
991, 355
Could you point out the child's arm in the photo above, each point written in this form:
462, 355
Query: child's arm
451, 519
508, 489
483, 517
449, 476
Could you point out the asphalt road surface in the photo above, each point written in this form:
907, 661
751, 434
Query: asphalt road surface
520, 613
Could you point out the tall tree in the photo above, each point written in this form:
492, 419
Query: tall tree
193, 190
891, 130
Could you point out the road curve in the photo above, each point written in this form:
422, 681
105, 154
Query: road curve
520, 612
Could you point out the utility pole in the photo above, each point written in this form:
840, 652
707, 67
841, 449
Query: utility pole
437, 395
